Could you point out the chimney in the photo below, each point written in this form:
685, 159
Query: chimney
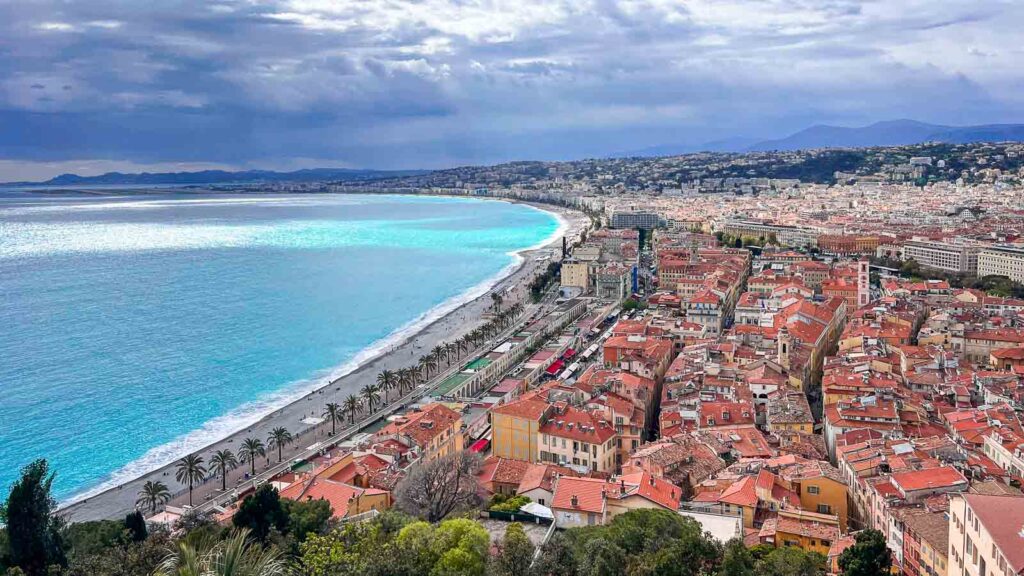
574, 501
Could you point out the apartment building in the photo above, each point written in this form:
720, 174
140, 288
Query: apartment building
948, 256
643, 220
1002, 261
985, 535
786, 235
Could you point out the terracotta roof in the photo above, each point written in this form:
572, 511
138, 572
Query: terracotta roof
337, 494
741, 493
942, 477
424, 424
529, 408
580, 425
657, 490
588, 494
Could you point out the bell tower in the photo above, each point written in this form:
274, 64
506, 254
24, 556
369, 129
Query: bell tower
863, 283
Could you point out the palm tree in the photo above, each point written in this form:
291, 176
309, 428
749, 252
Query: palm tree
238, 555
407, 379
190, 471
497, 299
252, 448
439, 353
450, 350
371, 395
279, 438
334, 412
386, 381
428, 364
351, 407
462, 345
223, 461
152, 495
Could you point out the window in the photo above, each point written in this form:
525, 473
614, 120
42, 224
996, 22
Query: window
813, 490
824, 509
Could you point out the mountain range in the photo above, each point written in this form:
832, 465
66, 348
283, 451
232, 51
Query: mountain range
887, 133
221, 177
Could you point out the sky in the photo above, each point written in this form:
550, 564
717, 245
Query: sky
102, 85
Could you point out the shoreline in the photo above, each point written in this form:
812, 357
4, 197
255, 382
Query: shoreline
402, 347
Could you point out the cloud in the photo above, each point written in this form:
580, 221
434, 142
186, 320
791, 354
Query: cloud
427, 83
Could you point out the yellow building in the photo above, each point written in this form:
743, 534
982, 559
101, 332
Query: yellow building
818, 485
808, 531
515, 429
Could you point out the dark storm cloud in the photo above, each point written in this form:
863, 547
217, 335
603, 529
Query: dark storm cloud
437, 82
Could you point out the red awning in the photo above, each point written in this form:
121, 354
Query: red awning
569, 353
555, 367
480, 445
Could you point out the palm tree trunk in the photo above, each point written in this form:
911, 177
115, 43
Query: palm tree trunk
224, 480
189, 493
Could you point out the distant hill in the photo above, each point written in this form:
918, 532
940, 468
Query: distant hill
737, 144
222, 176
891, 133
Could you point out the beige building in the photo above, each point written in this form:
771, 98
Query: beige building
985, 535
1009, 455
576, 274
943, 255
576, 439
1002, 261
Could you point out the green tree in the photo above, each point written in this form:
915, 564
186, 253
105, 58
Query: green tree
386, 381
34, 540
190, 470
602, 558
371, 394
306, 518
152, 495
458, 562
515, 553
462, 546
235, 556
869, 556
85, 538
252, 448
261, 512
791, 561
737, 559
222, 461
334, 412
135, 526
557, 556
352, 407
415, 542
125, 559
279, 438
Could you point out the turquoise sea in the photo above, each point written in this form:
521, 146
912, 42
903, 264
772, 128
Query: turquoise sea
136, 328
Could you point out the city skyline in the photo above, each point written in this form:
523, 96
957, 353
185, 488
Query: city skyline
287, 85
